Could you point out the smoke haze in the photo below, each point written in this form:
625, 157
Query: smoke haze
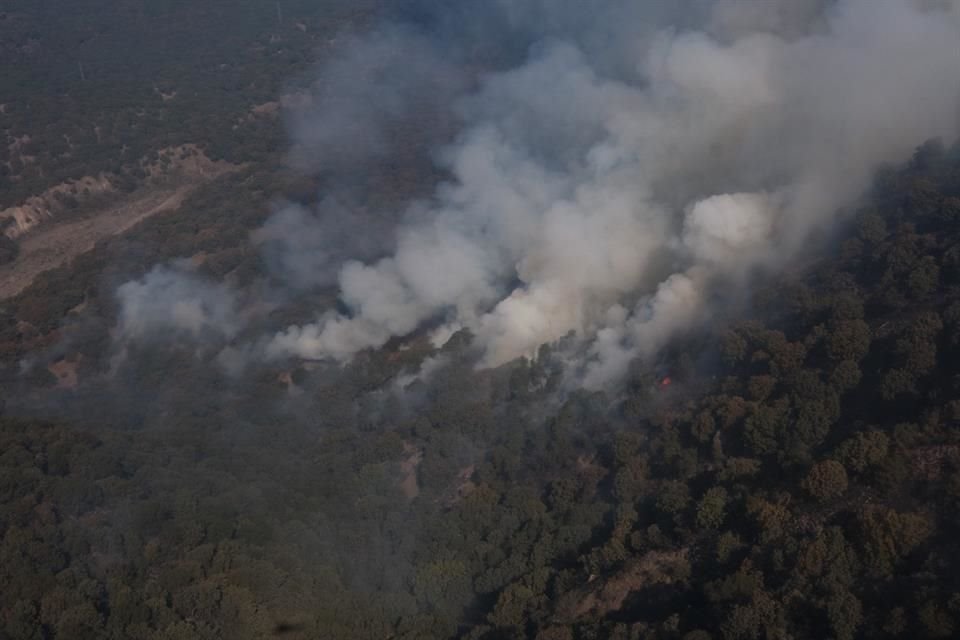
175, 302
610, 166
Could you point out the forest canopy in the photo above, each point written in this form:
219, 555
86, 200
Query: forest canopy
186, 452
794, 478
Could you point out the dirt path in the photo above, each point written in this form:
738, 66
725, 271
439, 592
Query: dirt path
56, 244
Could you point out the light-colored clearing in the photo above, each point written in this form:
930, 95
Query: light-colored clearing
56, 244
46, 243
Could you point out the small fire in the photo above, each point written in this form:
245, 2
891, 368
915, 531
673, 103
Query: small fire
666, 382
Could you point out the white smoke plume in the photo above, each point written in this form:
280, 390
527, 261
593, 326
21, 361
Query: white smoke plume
607, 196
170, 302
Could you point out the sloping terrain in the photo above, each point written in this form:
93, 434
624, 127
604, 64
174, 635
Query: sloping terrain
789, 468
799, 477
58, 243
47, 240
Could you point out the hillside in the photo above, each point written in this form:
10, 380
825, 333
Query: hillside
96, 86
795, 478
113, 112
327, 319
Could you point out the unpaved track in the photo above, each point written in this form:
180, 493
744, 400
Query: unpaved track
56, 244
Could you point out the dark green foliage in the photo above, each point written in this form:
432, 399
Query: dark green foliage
826, 480
96, 86
804, 483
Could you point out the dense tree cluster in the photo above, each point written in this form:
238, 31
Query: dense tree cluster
801, 480
95, 87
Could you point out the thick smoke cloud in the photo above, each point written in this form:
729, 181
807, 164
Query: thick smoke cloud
608, 169
606, 191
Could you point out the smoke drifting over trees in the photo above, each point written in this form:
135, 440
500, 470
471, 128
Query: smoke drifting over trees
173, 300
278, 410
602, 181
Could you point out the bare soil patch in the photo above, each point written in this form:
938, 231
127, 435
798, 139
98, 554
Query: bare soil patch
53, 245
47, 241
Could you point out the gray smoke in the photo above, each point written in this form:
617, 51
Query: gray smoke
172, 303
375, 96
633, 162
609, 168
305, 247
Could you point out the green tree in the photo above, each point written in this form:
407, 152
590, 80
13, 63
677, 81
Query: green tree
871, 227
889, 536
848, 340
937, 622
865, 449
673, 498
846, 376
762, 617
844, 613
511, 606
896, 383
760, 387
728, 543
772, 518
711, 509
924, 278
826, 480
762, 431
895, 621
